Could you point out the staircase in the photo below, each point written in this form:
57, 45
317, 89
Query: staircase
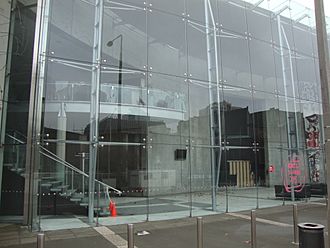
69, 186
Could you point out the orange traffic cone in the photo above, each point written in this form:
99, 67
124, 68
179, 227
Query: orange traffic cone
112, 209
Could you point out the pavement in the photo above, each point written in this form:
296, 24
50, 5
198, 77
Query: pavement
274, 230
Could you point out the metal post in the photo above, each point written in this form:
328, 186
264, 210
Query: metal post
130, 236
324, 62
83, 169
40, 240
213, 76
199, 232
295, 224
35, 113
253, 229
72, 175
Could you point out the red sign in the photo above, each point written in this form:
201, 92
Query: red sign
271, 168
294, 175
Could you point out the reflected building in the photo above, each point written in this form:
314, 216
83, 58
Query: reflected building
168, 109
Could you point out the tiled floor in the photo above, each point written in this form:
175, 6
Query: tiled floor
135, 209
230, 229
19, 235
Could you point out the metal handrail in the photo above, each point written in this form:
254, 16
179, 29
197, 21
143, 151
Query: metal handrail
75, 169
16, 139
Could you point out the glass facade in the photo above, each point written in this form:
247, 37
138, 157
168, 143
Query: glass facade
165, 109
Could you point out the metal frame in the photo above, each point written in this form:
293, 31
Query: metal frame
35, 114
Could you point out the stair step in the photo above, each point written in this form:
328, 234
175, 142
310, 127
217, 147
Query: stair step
56, 182
75, 199
63, 187
68, 193
56, 190
18, 170
46, 185
78, 195
48, 178
8, 164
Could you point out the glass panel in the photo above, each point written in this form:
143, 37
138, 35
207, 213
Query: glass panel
269, 135
67, 100
200, 112
123, 168
71, 29
204, 176
266, 115
124, 39
308, 89
314, 42
168, 41
128, 3
202, 11
286, 74
303, 39
242, 178
63, 186
123, 108
235, 59
176, 7
291, 122
293, 174
238, 115
317, 79
239, 140
169, 182
13, 173
202, 56
270, 162
168, 109
262, 66
258, 21
285, 25
232, 16
17, 34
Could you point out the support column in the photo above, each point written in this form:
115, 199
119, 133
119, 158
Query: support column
324, 61
7, 26
60, 146
95, 99
214, 101
32, 166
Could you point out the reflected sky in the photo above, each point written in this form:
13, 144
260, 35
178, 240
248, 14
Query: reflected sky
301, 11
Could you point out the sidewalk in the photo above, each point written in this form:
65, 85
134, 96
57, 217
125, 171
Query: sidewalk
274, 230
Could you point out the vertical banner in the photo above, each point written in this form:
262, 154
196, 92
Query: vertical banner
312, 134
